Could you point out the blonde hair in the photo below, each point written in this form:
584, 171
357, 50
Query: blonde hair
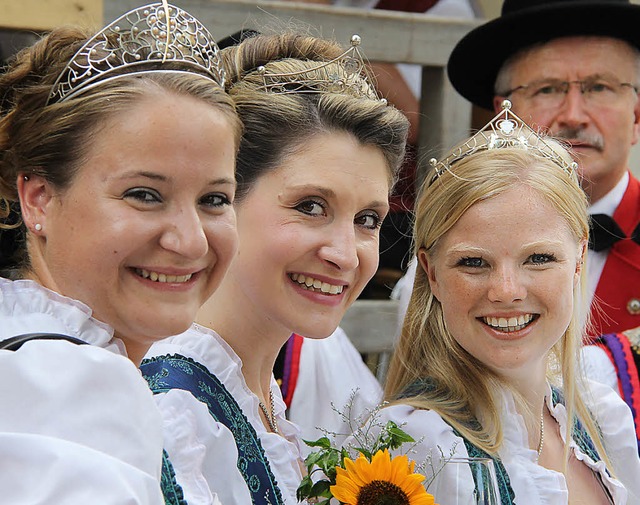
277, 125
463, 387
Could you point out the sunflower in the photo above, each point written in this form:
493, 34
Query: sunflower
383, 481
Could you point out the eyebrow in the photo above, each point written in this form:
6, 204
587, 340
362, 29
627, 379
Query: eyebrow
330, 193
470, 249
162, 178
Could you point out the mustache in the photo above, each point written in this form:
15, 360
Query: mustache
576, 135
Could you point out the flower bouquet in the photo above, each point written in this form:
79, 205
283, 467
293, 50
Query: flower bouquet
373, 477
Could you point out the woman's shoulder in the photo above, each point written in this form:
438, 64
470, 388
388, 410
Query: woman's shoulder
28, 307
88, 406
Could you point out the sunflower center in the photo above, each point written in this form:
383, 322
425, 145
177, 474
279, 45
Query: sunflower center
382, 492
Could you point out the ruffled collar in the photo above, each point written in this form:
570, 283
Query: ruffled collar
548, 485
28, 307
209, 349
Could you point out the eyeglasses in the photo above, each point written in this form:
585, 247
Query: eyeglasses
552, 93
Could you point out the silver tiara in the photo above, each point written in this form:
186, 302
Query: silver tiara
347, 74
504, 130
142, 40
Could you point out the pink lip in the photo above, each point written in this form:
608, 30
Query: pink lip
319, 297
576, 144
322, 278
169, 270
507, 315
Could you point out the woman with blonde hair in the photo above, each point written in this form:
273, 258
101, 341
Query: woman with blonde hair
487, 364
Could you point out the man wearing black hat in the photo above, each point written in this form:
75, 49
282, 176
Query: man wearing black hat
572, 67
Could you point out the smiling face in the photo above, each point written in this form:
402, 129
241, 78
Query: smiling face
309, 234
506, 280
146, 230
601, 135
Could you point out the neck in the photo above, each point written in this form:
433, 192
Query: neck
250, 335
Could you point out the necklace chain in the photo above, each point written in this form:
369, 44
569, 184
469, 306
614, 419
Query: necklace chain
270, 416
541, 444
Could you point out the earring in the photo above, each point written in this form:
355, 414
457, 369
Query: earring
25, 177
38, 227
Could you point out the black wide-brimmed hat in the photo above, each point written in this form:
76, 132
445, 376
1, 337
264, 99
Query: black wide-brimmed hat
476, 60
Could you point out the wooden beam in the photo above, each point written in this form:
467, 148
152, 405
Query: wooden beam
387, 36
396, 37
43, 15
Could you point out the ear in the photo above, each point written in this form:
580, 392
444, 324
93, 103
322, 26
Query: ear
497, 103
423, 259
582, 251
636, 121
35, 196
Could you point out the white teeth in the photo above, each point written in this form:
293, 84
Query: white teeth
316, 285
156, 277
508, 325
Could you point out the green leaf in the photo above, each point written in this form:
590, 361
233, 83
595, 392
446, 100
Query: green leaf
321, 488
304, 488
400, 436
364, 452
313, 458
323, 442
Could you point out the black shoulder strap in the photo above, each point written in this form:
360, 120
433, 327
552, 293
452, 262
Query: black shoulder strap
14, 343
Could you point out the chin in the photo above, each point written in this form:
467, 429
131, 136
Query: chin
317, 333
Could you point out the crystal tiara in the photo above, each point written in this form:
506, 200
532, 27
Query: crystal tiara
347, 74
505, 130
143, 40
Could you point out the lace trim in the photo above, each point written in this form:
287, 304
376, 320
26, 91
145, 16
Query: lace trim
171, 490
164, 373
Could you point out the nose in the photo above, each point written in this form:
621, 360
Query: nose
572, 113
340, 246
184, 234
507, 285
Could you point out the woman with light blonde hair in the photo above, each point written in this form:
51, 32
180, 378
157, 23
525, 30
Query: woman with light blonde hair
487, 363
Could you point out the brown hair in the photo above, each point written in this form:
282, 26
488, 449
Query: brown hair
51, 140
279, 124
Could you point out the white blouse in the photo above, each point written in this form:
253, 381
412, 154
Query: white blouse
205, 460
78, 423
532, 484
331, 375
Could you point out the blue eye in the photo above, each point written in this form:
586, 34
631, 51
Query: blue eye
310, 207
473, 262
143, 195
547, 89
541, 259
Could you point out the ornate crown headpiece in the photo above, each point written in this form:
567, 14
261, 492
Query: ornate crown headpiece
347, 74
142, 40
505, 130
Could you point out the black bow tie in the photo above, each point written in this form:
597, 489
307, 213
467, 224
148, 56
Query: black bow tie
604, 232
